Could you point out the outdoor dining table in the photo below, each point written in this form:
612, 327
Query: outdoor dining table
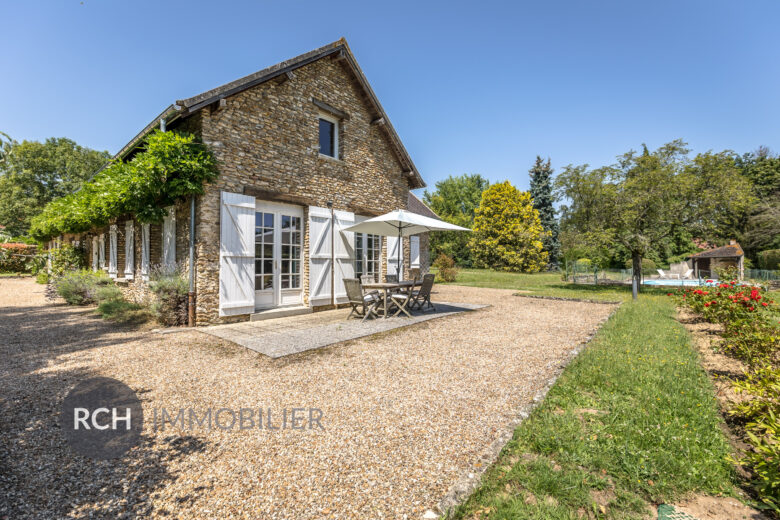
386, 287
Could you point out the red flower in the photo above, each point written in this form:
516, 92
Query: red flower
765, 304
707, 304
751, 308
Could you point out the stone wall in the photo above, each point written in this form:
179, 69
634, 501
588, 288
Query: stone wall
267, 138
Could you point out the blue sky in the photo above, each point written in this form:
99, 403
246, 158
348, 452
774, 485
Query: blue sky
471, 87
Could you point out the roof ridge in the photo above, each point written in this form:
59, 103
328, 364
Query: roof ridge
188, 106
193, 100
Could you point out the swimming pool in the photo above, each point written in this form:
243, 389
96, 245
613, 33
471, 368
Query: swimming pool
679, 283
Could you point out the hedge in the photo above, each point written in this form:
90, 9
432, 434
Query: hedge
15, 257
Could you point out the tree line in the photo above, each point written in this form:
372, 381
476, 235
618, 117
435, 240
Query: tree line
661, 205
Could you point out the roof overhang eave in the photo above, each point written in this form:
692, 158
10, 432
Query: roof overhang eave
169, 115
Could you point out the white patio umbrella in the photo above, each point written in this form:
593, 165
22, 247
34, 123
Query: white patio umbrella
402, 223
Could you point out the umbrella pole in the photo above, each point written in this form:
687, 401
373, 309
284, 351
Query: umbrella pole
400, 245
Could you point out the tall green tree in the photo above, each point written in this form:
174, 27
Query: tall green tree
647, 197
761, 228
507, 233
33, 173
455, 200
542, 195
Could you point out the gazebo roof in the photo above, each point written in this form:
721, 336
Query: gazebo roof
730, 251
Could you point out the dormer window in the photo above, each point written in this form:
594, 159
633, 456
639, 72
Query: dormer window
329, 136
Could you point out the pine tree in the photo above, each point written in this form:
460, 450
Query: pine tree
541, 192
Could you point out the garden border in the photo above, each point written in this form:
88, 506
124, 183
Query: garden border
472, 478
564, 299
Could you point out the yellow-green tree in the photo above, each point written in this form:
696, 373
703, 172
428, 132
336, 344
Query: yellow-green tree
508, 233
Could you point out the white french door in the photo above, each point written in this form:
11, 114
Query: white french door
278, 254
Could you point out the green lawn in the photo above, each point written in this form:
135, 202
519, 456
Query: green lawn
542, 284
631, 422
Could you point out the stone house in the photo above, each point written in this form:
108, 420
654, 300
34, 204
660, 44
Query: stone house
304, 149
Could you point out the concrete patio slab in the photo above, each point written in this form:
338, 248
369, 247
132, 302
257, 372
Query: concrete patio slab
285, 336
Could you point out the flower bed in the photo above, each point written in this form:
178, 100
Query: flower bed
751, 334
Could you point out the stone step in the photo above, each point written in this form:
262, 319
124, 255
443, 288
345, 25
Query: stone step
280, 312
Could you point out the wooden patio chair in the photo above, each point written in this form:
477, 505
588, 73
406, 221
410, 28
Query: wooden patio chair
422, 296
363, 305
401, 300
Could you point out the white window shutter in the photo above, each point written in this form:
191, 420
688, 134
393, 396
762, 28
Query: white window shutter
94, 253
345, 253
169, 237
319, 255
236, 254
112, 251
145, 251
102, 251
414, 251
392, 256
129, 249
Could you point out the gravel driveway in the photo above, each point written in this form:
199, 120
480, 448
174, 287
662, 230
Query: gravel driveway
405, 414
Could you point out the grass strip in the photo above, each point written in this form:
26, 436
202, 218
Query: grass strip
632, 421
542, 284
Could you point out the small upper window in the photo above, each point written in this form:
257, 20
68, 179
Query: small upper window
329, 139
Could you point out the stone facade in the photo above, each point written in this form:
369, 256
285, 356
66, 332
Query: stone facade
266, 138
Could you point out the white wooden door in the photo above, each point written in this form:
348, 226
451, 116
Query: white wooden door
236, 254
278, 254
129, 250
95, 253
169, 238
145, 251
102, 251
319, 255
345, 253
393, 244
414, 251
112, 251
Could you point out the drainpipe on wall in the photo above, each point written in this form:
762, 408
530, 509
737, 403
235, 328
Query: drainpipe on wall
191, 295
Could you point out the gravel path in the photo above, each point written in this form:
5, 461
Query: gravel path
405, 413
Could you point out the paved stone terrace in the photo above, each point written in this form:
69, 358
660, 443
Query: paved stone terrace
281, 337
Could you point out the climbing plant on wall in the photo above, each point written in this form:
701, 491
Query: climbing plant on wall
171, 166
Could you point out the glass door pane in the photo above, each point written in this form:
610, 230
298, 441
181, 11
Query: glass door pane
290, 252
264, 251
